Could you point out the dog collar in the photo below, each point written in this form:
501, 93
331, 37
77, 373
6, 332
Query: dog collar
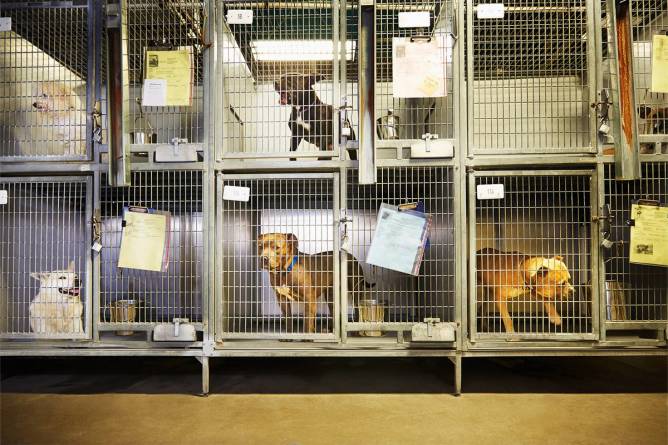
292, 264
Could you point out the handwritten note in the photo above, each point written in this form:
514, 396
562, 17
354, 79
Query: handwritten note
175, 68
660, 64
399, 240
154, 93
143, 241
649, 244
429, 56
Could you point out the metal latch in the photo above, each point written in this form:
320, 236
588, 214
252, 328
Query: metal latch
97, 122
433, 330
179, 330
428, 137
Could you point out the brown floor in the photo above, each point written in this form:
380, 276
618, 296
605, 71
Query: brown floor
335, 401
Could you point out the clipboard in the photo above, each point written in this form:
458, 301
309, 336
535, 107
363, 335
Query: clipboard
145, 239
649, 233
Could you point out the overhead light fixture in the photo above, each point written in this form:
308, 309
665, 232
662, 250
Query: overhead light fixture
297, 50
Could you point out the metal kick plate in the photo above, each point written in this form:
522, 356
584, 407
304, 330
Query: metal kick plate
165, 332
433, 332
434, 148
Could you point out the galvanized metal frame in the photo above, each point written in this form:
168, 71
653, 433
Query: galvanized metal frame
223, 337
87, 299
476, 336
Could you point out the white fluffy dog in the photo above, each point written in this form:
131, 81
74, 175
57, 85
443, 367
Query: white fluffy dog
57, 308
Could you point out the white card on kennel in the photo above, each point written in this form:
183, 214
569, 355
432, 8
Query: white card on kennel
429, 56
234, 193
4, 197
490, 191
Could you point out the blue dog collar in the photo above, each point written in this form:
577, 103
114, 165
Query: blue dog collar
292, 264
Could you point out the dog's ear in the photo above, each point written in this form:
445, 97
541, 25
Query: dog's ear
37, 275
312, 79
292, 243
559, 258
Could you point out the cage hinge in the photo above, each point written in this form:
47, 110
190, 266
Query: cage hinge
96, 224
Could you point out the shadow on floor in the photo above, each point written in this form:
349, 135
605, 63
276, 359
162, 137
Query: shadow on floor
158, 375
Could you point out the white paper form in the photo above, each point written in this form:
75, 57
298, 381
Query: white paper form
154, 93
418, 67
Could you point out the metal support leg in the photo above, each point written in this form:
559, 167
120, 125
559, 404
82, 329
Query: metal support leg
457, 361
205, 374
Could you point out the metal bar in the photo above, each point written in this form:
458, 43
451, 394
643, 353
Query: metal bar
625, 128
367, 92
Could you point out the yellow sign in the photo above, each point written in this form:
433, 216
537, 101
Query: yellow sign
143, 241
649, 235
175, 69
660, 64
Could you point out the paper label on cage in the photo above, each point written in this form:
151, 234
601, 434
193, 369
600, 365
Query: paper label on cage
660, 64
234, 193
97, 246
3, 196
648, 243
240, 16
154, 93
5, 24
491, 11
414, 19
428, 80
489, 191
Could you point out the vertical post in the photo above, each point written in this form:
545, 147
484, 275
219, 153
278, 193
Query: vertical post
367, 91
457, 361
627, 163
117, 92
204, 360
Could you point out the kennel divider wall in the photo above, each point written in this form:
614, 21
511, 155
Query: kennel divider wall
304, 204
543, 213
45, 224
159, 297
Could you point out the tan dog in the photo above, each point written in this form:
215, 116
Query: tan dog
510, 275
57, 308
297, 276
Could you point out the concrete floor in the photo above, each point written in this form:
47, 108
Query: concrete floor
334, 401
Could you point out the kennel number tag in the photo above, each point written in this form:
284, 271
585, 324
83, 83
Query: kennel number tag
234, 193
414, 19
3, 196
489, 191
5, 23
490, 11
240, 17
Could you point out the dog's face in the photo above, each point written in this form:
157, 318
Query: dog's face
64, 282
297, 89
276, 250
550, 277
55, 99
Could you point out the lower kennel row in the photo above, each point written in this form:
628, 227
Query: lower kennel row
293, 256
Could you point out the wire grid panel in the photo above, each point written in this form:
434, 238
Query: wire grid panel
416, 116
165, 26
44, 257
43, 65
390, 298
532, 254
633, 292
280, 78
158, 297
649, 18
530, 82
278, 256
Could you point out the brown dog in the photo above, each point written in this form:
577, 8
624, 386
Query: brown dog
512, 274
297, 276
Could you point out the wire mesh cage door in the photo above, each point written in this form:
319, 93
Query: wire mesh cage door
136, 300
278, 257
281, 89
530, 72
380, 302
405, 108
533, 255
649, 19
45, 264
634, 295
44, 71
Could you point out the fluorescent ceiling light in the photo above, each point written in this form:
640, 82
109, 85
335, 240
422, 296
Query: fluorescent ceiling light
297, 50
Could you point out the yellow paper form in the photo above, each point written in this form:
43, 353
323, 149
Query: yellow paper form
143, 241
175, 68
649, 235
660, 64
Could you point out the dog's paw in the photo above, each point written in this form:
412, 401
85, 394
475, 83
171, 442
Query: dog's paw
555, 319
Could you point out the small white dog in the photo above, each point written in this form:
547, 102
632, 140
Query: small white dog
57, 308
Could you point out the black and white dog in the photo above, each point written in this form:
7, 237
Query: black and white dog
310, 119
